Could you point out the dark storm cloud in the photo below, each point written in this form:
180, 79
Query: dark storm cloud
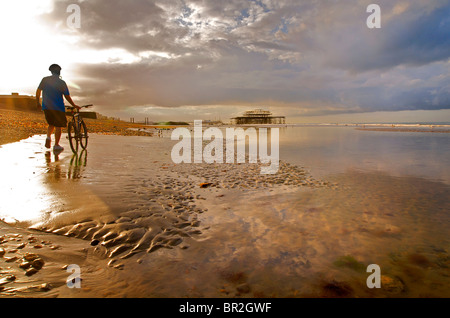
313, 55
416, 37
134, 25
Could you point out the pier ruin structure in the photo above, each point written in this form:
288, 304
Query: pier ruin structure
258, 116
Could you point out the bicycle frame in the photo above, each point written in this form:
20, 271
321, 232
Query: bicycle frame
76, 119
77, 124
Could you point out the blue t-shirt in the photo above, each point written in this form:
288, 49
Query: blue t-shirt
53, 90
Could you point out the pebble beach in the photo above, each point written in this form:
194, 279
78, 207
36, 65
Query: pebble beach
17, 125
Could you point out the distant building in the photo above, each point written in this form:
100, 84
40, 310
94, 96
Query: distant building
258, 116
212, 122
18, 102
28, 103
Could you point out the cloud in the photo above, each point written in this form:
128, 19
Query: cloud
415, 37
317, 57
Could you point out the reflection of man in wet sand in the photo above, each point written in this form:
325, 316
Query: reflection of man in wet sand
53, 104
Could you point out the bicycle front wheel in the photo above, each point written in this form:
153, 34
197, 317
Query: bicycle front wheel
73, 139
83, 134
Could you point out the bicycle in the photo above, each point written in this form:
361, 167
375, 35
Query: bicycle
77, 132
77, 164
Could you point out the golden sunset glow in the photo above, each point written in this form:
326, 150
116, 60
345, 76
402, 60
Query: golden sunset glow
312, 62
244, 149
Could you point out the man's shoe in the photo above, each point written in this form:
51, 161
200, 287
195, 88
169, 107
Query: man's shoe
48, 142
57, 148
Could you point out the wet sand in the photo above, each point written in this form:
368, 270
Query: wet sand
140, 226
155, 205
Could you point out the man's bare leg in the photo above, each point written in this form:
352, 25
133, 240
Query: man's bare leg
50, 130
58, 132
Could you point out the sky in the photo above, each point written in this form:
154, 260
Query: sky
312, 61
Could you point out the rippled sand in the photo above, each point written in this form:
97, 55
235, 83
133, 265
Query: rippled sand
144, 227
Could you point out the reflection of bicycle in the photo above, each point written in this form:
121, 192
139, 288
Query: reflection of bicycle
77, 162
77, 130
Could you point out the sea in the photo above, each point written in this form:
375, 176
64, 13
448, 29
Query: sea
407, 149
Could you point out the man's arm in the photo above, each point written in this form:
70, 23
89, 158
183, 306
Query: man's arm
69, 99
38, 97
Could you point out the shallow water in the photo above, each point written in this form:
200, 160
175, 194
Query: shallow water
390, 208
329, 150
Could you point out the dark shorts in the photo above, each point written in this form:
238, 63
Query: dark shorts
55, 118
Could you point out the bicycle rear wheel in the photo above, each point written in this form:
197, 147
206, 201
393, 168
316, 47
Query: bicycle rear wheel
72, 134
83, 135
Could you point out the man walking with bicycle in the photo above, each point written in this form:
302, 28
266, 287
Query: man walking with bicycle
54, 88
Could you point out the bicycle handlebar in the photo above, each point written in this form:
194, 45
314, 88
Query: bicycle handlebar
84, 106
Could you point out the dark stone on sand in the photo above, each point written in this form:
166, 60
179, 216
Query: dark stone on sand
11, 278
30, 257
38, 263
31, 271
95, 242
25, 265
6, 280
45, 287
